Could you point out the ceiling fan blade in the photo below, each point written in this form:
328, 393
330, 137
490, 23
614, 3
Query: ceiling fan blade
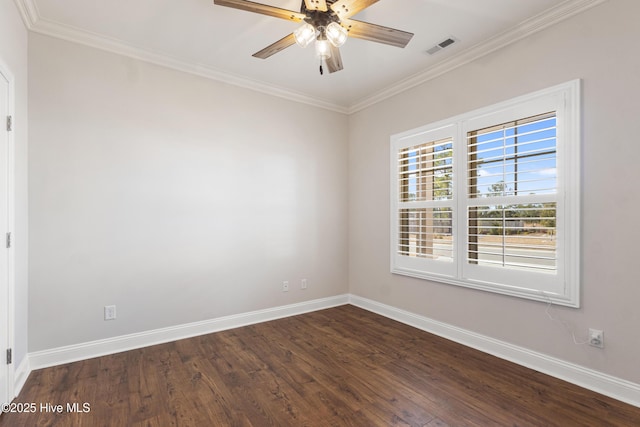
347, 8
263, 9
276, 47
316, 5
334, 63
376, 33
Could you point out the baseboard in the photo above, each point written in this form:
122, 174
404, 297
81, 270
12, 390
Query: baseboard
607, 385
20, 375
88, 350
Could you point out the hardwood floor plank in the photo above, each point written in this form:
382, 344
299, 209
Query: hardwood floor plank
374, 389
338, 367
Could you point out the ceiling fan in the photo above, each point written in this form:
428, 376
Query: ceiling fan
328, 23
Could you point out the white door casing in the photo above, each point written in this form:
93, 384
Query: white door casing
6, 371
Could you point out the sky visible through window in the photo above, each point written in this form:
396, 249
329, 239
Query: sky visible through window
517, 158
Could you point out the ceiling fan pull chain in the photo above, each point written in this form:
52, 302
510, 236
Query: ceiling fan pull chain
321, 70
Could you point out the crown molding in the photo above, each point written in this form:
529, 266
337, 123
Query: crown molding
34, 22
528, 27
28, 11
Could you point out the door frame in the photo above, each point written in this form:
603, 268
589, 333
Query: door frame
11, 368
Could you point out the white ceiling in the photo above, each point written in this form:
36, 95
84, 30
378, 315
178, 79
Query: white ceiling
217, 42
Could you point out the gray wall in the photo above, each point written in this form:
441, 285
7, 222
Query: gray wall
599, 46
174, 197
13, 52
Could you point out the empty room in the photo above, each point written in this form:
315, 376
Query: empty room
319, 212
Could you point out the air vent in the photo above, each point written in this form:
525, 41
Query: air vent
443, 44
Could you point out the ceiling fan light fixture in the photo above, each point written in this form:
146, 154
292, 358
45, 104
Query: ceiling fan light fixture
336, 34
304, 35
323, 48
323, 22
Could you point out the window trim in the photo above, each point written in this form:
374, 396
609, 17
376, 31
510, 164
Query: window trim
565, 289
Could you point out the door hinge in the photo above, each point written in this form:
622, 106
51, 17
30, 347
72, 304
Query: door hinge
8, 240
9, 356
9, 123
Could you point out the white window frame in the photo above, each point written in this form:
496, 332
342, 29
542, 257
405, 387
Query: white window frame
561, 287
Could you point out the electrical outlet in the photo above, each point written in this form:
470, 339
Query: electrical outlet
285, 286
109, 312
596, 338
303, 284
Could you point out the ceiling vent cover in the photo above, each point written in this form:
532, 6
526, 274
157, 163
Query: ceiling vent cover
443, 44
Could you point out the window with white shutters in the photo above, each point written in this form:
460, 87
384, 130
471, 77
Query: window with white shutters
490, 199
426, 189
513, 164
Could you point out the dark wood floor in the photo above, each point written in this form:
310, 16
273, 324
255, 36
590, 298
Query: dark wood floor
338, 367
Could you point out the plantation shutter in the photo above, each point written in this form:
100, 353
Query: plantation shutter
509, 164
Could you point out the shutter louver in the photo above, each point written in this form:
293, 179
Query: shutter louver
425, 180
508, 164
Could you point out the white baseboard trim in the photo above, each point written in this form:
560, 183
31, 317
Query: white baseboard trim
607, 385
88, 350
20, 376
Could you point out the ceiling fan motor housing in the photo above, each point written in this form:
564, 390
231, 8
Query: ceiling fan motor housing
320, 19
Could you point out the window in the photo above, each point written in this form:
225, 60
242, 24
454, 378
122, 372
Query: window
426, 176
490, 199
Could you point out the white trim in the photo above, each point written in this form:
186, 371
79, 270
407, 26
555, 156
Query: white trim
598, 382
34, 22
527, 28
80, 36
28, 11
21, 374
5, 71
87, 350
